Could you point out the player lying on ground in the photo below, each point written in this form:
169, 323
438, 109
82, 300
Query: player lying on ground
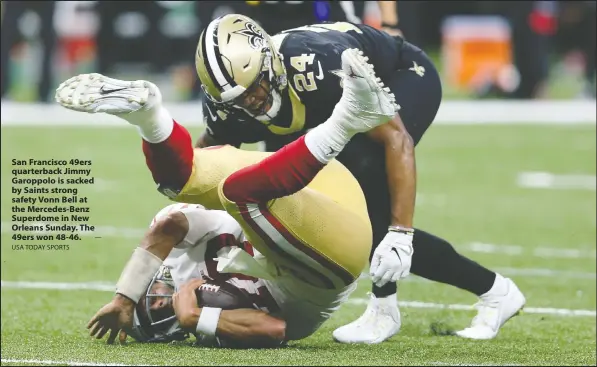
274, 89
202, 250
304, 215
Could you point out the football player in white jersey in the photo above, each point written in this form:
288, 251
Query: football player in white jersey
209, 246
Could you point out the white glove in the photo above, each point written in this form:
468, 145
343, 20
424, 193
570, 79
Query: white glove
392, 258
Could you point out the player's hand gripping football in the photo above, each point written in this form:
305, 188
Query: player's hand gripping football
113, 317
185, 300
392, 258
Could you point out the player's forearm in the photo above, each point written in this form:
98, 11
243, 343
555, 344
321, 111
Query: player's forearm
165, 234
389, 13
400, 169
155, 246
251, 327
402, 182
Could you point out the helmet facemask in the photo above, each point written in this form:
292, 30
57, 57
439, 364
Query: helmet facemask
272, 92
157, 325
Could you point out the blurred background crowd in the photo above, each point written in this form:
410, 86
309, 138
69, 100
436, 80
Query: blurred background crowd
484, 49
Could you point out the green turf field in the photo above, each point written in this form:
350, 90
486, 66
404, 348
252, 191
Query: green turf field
544, 239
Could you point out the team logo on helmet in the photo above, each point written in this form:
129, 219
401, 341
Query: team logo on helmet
164, 273
253, 34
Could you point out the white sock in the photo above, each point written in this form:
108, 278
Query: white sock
388, 301
327, 140
499, 287
155, 124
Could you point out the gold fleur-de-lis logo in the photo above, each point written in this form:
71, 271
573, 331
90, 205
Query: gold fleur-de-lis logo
253, 34
418, 69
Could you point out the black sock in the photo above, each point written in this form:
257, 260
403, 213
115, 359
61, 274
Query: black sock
387, 290
435, 259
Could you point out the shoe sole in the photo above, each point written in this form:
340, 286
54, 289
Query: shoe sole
96, 87
360, 62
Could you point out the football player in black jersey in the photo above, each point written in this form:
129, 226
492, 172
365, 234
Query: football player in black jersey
275, 88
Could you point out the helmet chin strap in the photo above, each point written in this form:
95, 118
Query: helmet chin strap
274, 109
277, 97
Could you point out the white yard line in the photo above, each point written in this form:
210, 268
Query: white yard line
93, 286
511, 250
547, 273
67, 363
459, 307
546, 180
104, 286
454, 112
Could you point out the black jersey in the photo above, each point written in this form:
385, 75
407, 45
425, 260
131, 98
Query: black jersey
312, 57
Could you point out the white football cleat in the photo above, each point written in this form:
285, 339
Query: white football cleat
93, 93
380, 322
367, 102
494, 310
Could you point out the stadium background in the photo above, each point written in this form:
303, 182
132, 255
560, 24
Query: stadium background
507, 176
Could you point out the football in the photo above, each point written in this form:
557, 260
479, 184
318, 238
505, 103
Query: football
221, 295
227, 297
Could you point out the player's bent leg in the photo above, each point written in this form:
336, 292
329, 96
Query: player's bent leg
171, 161
314, 234
308, 234
417, 88
319, 240
326, 238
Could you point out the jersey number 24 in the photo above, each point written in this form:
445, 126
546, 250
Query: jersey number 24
306, 81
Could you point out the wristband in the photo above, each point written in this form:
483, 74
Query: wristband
137, 274
400, 229
391, 26
208, 321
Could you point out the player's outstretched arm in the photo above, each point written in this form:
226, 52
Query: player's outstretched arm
156, 245
248, 327
145, 261
401, 169
392, 258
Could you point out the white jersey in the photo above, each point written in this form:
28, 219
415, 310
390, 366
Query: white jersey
212, 233
215, 249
